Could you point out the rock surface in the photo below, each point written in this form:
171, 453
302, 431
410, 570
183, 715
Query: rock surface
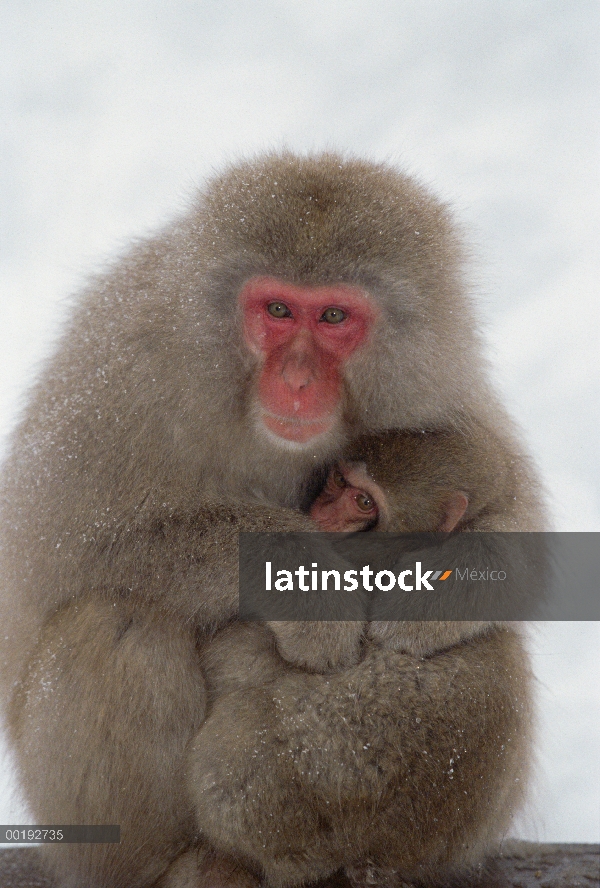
522, 865
529, 865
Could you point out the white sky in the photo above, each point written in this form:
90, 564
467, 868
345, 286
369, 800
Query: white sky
112, 110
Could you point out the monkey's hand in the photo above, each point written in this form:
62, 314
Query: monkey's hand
319, 646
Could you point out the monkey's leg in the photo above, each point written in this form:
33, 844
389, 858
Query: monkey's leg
412, 766
100, 722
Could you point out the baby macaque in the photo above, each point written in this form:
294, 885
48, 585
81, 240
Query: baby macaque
421, 481
353, 501
424, 481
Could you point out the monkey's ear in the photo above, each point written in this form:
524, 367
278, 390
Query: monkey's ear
454, 509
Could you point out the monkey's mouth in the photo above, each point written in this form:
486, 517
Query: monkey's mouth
291, 428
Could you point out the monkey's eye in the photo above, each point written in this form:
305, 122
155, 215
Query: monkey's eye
338, 479
364, 502
333, 315
279, 310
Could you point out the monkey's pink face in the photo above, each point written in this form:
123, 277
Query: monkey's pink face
304, 336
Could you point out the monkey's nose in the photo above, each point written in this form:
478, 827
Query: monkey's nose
297, 375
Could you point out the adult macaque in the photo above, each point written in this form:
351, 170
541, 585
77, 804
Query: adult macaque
198, 390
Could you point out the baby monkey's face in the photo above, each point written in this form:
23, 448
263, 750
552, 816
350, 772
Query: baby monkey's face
350, 500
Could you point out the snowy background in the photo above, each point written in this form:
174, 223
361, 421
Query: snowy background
113, 110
